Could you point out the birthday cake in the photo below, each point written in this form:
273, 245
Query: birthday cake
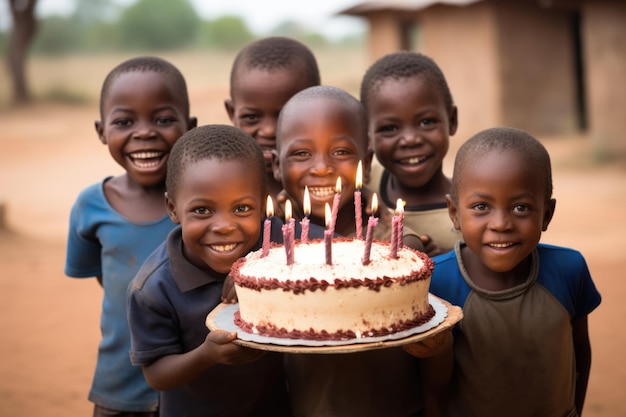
311, 299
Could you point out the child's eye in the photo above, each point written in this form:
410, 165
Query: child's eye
479, 207
342, 152
249, 118
203, 211
387, 129
429, 122
122, 122
300, 154
242, 208
164, 121
521, 208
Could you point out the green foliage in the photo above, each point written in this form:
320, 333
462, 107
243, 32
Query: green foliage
152, 25
226, 32
158, 25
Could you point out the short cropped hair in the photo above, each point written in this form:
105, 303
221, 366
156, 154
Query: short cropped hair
323, 92
148, 64
221, 142
503, 139
404, 64
275, 53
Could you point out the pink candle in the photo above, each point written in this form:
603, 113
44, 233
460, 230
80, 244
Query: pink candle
400, 225
394, 237
304, 236
328, 237
267, 227
371, 223
358, 210
288, 233
336, 204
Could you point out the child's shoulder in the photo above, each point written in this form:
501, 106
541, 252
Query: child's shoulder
560, 255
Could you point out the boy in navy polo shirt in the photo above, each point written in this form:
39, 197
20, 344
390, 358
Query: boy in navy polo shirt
215, 192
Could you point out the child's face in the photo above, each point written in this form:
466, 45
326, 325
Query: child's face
501, 210
319, 141
257, 100
220, 208
410, 125
143, 117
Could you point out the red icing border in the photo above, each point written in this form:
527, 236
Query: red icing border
273, 331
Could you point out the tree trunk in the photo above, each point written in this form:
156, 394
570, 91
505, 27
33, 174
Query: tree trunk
22, 34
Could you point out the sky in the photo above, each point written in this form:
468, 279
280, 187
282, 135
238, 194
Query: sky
260, 15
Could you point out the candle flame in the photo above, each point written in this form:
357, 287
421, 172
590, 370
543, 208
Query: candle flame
329, 215
338, 186
269, 208
288, 210
307, 201
374, 204
399, 206
359, 176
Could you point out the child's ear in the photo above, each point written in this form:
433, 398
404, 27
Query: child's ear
192, 123
367, 165
548, 214
100, 131
230, 110
453, 212
454, 120
276, 166
171, 209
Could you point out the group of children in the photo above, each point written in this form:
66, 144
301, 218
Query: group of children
162, 245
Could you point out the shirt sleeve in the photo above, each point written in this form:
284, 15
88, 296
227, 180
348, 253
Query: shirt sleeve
83, 255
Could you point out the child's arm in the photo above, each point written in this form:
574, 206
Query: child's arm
582, 350
172, 371
436, 368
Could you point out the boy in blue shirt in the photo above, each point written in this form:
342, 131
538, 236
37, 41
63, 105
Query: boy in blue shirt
116, 223
523, 346
216, 192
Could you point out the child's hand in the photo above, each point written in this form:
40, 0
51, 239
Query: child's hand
430, 247
432, 346
229, 296
223, 351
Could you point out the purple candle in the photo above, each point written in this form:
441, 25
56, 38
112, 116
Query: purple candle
336, 204
328, 237
371, 223
267, 227
358, 210
304, 236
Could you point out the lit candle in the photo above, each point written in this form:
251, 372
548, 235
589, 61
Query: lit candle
288, 233
336, 204
328, 236
371, 223
400, 225
358, 210
304, 236
267, 227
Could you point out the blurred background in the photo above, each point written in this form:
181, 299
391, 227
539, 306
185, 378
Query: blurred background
556, 68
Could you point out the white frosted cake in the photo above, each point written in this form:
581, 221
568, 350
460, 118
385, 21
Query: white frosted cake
312, 300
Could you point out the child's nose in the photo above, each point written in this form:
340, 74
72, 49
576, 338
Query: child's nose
500, 220
143, 130
222, 223
322, 165
268, 128
410, 137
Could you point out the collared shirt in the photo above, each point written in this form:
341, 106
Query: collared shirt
168, 303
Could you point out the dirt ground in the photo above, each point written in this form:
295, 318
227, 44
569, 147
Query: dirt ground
49, 326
